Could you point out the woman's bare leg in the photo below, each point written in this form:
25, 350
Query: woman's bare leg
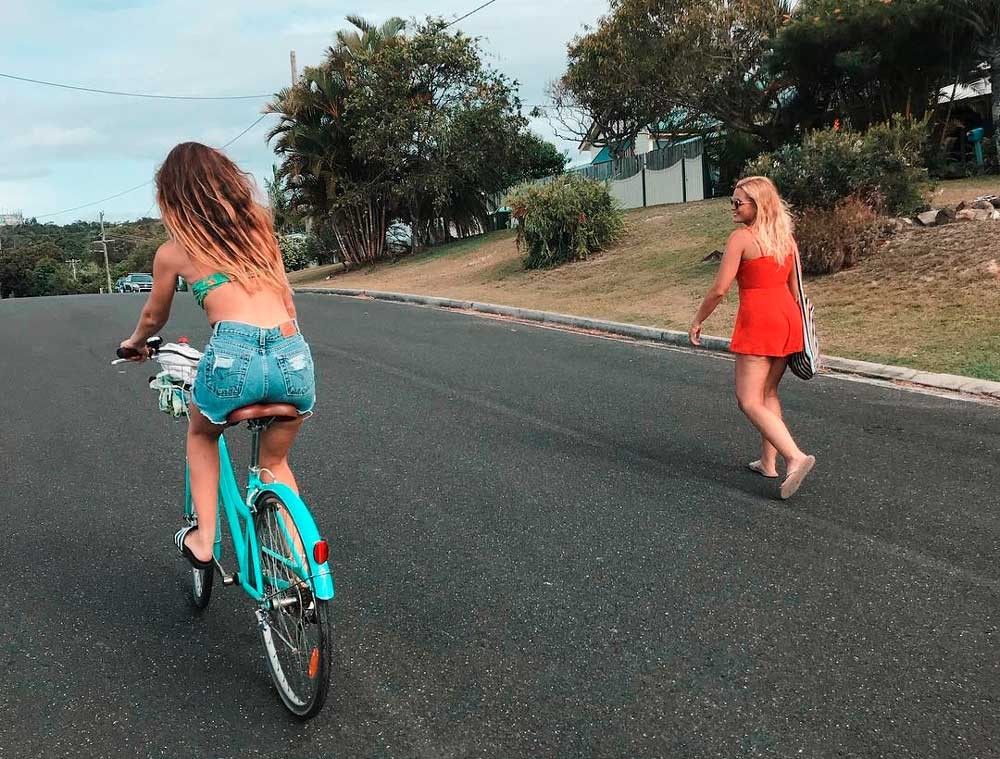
768, 453
203, 467
275, 443
752, 373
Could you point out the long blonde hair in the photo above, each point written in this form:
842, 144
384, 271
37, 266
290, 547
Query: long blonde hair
773, 226
208, 206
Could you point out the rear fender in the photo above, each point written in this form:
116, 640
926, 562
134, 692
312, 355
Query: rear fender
322, 579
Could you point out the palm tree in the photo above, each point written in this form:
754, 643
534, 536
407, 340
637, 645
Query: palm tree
328, 182
370, 38
278, 200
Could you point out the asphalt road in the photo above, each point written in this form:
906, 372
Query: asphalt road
545, 545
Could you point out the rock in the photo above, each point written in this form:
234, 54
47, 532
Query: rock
712, 258
961, 206
983, 205
932, 218
975, 214
995, 215
995, 202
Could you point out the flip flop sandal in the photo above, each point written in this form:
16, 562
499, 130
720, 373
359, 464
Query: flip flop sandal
755, 466
795, 478
186, 552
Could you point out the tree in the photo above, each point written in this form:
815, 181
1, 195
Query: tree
681, 65
329, 182
982, 19
862, 62
279, 201
408, 128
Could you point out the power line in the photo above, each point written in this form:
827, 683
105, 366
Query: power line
136, 94
102, 200
144, 184
259, 119
474, 10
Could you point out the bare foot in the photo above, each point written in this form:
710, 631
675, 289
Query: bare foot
797, 472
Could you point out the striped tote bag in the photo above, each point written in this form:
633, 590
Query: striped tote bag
806, 363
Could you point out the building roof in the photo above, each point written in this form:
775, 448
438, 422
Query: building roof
977, 89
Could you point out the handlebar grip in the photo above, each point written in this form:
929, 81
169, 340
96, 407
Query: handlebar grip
152, 343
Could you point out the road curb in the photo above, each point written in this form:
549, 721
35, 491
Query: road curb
897, 374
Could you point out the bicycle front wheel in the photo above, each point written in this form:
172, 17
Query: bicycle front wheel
201, 579
294, 624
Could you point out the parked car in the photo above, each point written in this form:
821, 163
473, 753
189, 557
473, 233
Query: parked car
137, 283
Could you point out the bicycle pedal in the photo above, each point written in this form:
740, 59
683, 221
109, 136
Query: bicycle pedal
227, 579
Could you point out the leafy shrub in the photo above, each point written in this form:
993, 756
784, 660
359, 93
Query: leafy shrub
295, 251
830, 165
565, 219
831, 239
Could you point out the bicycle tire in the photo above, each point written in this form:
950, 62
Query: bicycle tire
202, 580
297, 636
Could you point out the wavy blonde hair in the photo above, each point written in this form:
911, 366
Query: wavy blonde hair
773, 226
208, 206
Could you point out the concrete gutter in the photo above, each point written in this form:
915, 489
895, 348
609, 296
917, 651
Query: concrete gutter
985, 389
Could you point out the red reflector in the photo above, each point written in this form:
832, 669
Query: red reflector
321, 551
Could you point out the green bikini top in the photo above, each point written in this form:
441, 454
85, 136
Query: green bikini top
205, 285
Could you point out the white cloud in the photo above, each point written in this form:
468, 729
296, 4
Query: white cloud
51, 136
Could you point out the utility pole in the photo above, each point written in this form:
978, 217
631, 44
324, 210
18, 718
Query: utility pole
295, 71
73, 262
103, 242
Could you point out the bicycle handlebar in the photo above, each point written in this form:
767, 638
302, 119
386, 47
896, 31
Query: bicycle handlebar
152, 343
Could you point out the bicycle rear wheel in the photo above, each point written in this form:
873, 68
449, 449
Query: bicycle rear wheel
294, 624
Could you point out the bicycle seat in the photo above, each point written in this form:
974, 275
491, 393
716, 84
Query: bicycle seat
263, 411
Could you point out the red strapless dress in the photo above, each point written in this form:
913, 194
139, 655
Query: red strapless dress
769, 322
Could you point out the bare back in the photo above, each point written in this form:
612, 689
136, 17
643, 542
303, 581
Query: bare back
265, 307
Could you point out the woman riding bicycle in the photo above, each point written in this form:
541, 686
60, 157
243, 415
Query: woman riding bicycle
223, 243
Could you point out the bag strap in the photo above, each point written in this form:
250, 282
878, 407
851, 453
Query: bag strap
798, 275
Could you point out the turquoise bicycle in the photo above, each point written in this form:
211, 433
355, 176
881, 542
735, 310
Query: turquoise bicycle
281, 559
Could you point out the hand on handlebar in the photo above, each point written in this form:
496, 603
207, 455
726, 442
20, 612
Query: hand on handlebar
130, 350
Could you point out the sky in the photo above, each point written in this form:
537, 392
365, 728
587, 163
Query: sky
60, 149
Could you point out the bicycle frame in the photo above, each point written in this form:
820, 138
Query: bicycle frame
240, 510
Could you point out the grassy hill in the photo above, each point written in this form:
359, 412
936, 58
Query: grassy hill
930, 298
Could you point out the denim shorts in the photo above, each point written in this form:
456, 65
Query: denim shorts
244, 364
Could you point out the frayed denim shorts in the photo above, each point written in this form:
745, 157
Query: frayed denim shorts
244, 364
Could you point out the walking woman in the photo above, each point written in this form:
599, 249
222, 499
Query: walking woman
222, 242
761, 256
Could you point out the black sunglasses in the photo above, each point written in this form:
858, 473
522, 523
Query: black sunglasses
737, 202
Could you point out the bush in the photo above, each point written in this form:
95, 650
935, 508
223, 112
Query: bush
294, 251
565, 219
831, 239
886, 162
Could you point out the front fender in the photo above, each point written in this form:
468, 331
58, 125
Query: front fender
322, 579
